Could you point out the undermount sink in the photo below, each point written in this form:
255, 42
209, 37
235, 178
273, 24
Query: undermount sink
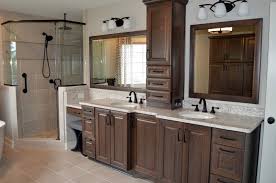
124, 105
197, 115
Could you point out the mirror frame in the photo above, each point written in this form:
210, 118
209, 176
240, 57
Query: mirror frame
256, 72
109, 36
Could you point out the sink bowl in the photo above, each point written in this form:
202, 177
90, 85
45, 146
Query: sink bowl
197, 115
124, 105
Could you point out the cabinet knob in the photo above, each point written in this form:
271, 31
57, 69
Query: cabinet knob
271, 120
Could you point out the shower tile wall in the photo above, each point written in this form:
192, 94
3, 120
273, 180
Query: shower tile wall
37, 108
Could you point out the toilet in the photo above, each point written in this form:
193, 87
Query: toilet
2, 136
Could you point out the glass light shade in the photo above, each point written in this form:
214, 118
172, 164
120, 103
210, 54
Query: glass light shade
243, 9
104, 27
202, 13
126, 24
111, 24
220, 10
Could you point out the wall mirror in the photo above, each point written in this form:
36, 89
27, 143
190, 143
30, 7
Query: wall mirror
225, 61
118, 61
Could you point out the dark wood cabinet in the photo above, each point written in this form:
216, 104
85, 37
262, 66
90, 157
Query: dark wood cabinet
165, 52
145, 142
112, 144
184, 153
88, 132
231, 65
120, 140
103, 135
234, 156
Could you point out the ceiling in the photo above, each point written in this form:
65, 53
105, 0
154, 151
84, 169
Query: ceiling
53, 8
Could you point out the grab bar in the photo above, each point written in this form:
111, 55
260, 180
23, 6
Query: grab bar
25, 90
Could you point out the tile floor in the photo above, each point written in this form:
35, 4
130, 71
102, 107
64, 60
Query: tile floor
50, 166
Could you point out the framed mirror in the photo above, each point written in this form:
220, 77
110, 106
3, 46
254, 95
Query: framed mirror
225, 61
118, 61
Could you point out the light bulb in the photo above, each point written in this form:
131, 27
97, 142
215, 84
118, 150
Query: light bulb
220, 10
202, 13
126, 23
243, 9
104, 27
111, 24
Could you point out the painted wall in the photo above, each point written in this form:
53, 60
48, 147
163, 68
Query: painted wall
137, 10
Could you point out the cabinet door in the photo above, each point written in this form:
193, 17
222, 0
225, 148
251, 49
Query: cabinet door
102, 135
233, 75
198, 161
217, 47
249, 49
159, 17
248, 79
233, 49
119, 139
216, 79
145, 145
170, 151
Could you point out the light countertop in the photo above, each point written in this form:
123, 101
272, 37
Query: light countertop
238, 123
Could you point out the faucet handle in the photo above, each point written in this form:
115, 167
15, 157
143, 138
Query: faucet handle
196, 107
141, 100
213, 110
129, 99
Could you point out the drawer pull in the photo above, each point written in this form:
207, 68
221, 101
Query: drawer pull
158, 71
88, 119
232, 152
159, 84
227, 138
158, 96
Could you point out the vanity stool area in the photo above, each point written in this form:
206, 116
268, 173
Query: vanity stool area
166, 148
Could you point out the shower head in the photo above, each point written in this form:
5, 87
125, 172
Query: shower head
65, 27
47, 37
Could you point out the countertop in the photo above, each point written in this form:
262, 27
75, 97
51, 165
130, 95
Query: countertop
238, 123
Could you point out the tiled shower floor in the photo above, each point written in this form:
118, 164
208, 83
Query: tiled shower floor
50, 166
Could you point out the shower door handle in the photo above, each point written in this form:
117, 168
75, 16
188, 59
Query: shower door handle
25, 90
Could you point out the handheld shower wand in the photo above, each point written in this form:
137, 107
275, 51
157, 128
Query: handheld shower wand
45, 55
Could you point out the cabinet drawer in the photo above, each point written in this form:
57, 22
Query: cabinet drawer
88, 111
158, 96
89, 127
227, 162
229, 138
158, 71
159, 84
74, 111
218, 179
89, 147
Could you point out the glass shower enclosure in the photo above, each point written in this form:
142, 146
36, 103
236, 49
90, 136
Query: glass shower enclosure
26, 63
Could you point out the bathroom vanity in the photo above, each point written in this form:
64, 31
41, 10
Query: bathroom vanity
163, 146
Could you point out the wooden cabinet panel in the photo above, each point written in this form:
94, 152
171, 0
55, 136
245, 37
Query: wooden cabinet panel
119, 139
217, 46
199, 149
159, 84
89, 147
171, 151
227, 162
89, 127
248, 79
233, 75
74, 111
216, 79
145, 145
218, 179
103, 135
159, 96
159, 33
158, 72
233, 49
249, 49
229, 138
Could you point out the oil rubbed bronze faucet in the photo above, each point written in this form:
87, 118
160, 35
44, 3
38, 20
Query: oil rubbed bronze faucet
204, 104
130, 98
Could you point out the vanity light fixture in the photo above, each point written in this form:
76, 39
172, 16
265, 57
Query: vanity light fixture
113, 23
223, 30
222, 7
